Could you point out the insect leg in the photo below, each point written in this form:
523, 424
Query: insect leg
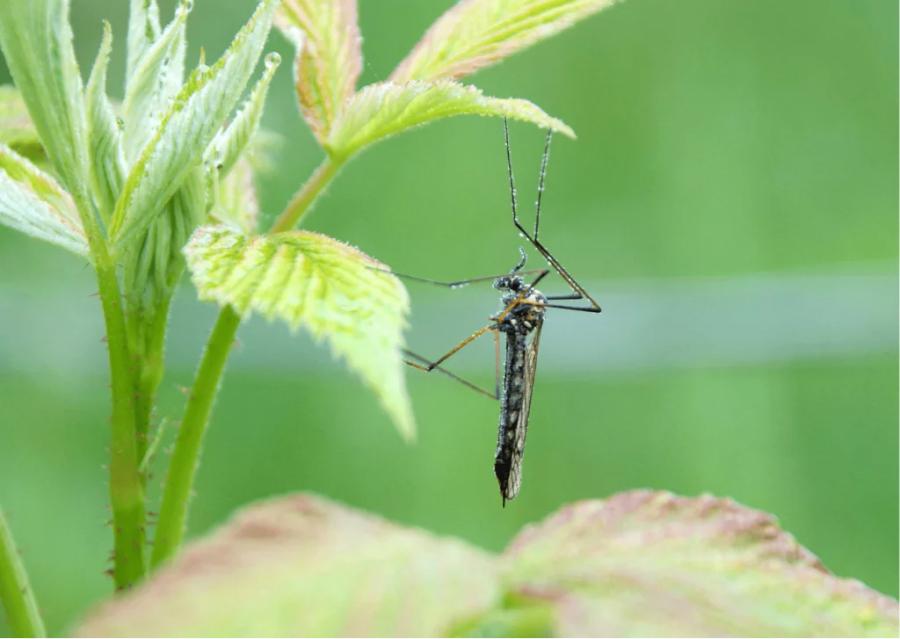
430, 366
453, 284
537, 205
422, 363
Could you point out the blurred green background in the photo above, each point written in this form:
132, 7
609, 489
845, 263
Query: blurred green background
731, 201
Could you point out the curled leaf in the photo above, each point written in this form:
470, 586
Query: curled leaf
37, 44
35, 204
154, 83
328, 58
477, 33
310, 280
384, 109
198, 112
104, 137
228, 144
143, 30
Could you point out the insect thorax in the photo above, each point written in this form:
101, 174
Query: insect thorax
524, 316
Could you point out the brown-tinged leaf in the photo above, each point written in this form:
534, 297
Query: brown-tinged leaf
653, 564
477, 33
328, 59
638, 564
304, 566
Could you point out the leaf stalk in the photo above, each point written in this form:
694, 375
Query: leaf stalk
186, 455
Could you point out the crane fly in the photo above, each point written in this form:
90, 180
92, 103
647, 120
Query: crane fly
520, 320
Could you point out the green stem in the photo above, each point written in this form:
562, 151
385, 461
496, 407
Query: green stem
148, 340
125, 485
303, 199
15, 590
186, 456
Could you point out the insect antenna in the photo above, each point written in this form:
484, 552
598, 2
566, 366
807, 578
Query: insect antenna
578, 291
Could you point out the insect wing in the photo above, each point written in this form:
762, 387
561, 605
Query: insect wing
514, 481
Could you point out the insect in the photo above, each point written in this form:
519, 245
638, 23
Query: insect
521, 319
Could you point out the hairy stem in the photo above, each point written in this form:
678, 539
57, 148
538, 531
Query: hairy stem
186, 455
125, 486
15, 591
303, 199
148, 339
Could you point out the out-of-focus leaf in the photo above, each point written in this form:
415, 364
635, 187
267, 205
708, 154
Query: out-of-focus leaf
104, 136
16, 128
143, 30
477, 33
228, 144
638, 564
384, 109
155, 82
310, 280
237, 205
328, 58
32, 202
196, 115
306, 567
653, 564
37, 44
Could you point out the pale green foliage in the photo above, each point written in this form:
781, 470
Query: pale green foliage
638, 564
16, 129
104, 137
154, 83
237, 205
477, 33
37, 44
35, 204
384, 109
229, 143
306, 279
328, 60
154, 263
196, 115
143, 31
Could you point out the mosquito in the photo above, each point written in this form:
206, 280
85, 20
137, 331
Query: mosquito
521, 319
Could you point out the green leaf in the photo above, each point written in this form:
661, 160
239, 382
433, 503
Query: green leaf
237, 205
310, 280
229, 143
384, 109
143, 30
105, 138
304, 566
328, 58
16, 128
154, 83
37, 43
196, 115
638, 564
35, 204
477, 33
